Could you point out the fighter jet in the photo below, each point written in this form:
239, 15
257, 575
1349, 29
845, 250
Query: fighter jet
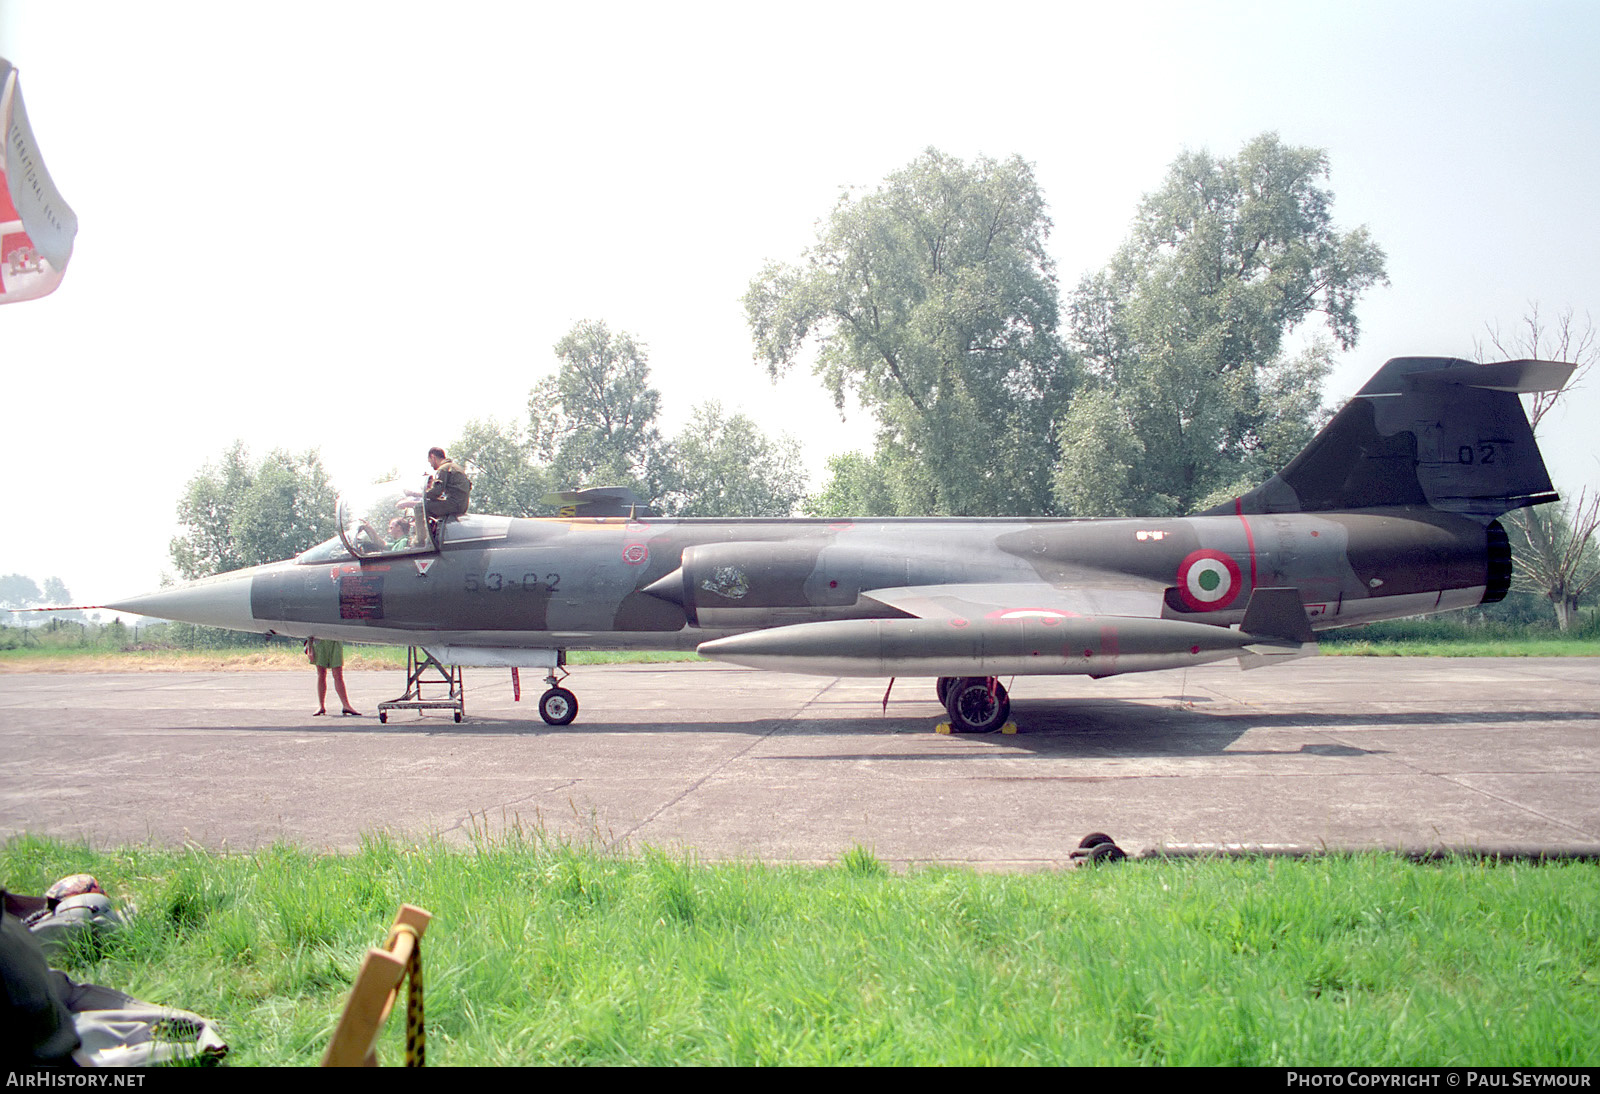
1390, 511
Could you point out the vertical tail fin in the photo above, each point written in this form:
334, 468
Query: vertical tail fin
1434, 431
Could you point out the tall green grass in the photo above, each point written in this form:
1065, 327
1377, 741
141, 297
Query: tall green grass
63, 644
542, 952
1458, 636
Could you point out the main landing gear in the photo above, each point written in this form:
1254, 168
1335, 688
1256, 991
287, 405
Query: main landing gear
976, 704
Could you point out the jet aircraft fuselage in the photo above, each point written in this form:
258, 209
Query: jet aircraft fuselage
619, 583
1391, 511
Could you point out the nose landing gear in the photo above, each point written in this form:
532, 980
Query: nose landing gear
558, 706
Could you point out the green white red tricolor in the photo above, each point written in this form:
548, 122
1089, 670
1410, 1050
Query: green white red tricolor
1208, 580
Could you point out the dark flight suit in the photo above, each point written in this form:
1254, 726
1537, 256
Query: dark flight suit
36, 1028
447, 493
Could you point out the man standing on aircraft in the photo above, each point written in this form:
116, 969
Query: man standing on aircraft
447, 492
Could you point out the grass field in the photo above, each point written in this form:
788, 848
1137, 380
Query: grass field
173, 647
547, 953
1398, 639
281, 658
1448, 636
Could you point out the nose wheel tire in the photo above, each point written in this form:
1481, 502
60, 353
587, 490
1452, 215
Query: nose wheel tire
977, 704
1097, 847
558, 706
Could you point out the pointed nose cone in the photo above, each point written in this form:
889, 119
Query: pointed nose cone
221, 601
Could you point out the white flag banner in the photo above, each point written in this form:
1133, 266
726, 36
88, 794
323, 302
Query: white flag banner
37, 226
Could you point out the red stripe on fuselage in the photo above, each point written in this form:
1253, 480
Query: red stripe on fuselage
1249, 538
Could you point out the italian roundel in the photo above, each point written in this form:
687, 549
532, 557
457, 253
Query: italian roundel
1208, 580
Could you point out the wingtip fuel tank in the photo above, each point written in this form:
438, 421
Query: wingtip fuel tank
1044, 645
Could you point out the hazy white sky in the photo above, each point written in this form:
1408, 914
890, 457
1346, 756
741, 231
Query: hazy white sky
356, 226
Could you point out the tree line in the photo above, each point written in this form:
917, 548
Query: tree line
592, 423
1158, 386
22, 591
1161, 384
595, 422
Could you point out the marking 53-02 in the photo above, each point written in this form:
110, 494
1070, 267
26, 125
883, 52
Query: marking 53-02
494, 582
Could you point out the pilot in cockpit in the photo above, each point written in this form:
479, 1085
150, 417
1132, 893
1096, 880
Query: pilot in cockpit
399, 534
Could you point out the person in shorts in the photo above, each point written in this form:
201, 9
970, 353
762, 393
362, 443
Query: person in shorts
328, 655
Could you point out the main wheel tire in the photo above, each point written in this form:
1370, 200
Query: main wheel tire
1106, 852
942, 688
1095, 839
558, 706
383, 715
977, 705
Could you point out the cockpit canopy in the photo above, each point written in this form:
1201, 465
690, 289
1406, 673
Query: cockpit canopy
383, 519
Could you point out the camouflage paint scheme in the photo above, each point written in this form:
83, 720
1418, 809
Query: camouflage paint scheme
1389, 512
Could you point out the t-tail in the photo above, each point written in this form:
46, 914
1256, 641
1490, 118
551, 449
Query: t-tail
1425, 431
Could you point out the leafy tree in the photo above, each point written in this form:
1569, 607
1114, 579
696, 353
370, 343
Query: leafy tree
857, 487
725, 467
19, 591
505, 478
237, 515
1190, 398
933, 300
56, 592
594, 422
206, 512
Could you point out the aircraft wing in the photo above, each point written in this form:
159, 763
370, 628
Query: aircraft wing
1020, 600
1027, 628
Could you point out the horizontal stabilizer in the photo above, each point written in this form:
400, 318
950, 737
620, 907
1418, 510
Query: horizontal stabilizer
1518, 377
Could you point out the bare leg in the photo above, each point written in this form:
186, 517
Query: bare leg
344, 698
322, 690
